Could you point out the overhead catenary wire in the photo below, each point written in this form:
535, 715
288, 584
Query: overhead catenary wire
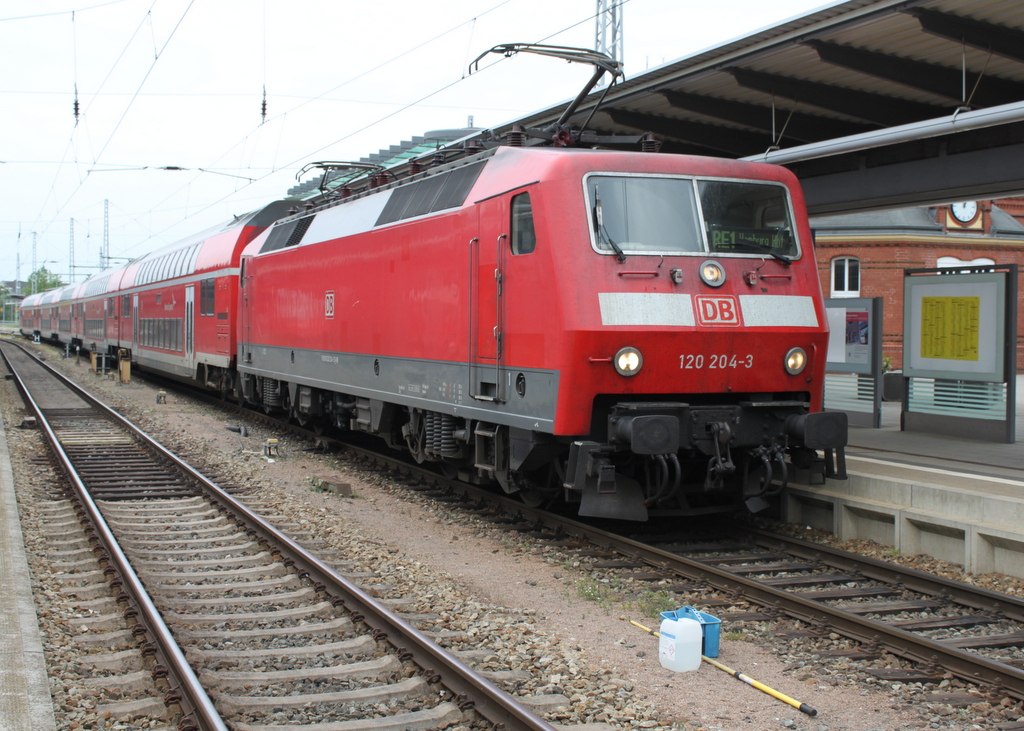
417, 102
71, 141
281, 117
294, 108
74, 55
263, 107
357, 77
61, 12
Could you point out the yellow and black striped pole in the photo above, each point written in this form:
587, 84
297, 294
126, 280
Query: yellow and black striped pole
803, 707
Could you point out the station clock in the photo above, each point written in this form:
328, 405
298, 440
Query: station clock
964, 212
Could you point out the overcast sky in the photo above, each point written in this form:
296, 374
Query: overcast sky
180, 83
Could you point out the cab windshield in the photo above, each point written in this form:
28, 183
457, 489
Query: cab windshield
658, 215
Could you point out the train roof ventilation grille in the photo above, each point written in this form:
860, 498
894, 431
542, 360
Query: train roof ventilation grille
429, 195
287, 234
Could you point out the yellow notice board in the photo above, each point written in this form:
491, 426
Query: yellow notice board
954, 325
950, 327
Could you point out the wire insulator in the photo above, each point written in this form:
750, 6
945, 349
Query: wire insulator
415, 167
516, 137
649, 144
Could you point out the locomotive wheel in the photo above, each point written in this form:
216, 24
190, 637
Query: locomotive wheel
540, 487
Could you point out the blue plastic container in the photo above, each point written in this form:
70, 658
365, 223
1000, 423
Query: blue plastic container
710, 627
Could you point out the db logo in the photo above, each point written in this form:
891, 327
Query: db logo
329, 305
717, 309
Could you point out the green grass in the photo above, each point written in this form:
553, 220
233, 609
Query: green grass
652, 603
593, 590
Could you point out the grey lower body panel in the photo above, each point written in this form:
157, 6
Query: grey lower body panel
520, 397
164, 362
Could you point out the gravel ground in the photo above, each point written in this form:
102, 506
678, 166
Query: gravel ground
544, 613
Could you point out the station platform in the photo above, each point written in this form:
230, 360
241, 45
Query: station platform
954, 498
25, 703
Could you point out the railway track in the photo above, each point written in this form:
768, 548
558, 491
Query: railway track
939, 625
237, 621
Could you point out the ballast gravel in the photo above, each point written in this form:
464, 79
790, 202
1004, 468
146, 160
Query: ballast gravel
540, 619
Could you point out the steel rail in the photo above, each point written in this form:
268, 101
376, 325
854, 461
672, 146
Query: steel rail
965, 665
195, 703
967, 595
470, 688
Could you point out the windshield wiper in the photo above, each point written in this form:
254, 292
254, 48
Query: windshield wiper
599, 225
757, 246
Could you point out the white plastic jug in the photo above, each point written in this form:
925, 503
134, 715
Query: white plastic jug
679, 645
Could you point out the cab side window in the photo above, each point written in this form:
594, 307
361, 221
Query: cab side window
524, 240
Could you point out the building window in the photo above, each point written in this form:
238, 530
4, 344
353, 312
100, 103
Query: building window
952, 262
846, 277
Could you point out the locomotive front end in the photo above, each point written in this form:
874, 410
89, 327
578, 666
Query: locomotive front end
704, 359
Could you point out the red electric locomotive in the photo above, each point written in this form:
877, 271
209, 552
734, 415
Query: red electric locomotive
632, 331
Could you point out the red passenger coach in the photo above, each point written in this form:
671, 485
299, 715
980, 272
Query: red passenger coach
635, 332
30, 315
171, 311
176, 305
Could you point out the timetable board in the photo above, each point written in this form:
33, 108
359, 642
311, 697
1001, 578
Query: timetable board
954, 326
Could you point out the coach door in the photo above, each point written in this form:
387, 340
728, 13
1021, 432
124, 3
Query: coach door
190, 306
136, 337
245, 289
486, 278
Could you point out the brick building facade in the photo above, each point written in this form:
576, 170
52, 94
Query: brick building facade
864, 255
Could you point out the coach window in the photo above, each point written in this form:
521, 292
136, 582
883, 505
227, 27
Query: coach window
126, 305
206, 297
524, 238
192, 256
846, 276
176, 263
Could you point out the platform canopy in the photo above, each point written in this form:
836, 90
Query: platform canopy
872, 103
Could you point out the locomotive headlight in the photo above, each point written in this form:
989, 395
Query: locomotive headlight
628, 362
712, 274
795, 361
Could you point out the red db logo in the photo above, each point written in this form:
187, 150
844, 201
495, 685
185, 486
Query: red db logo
717, 310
